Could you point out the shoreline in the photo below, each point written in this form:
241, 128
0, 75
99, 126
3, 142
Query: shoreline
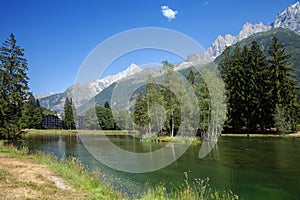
194, 140
256, 135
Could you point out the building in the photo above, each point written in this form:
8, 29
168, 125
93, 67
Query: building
52, 122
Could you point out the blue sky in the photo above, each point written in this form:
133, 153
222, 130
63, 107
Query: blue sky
57, 35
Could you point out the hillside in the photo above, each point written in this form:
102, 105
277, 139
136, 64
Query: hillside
106, 94
81, 93
288, 38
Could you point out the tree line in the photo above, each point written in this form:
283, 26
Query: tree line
261, 89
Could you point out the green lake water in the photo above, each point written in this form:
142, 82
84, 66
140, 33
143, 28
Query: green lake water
253, 168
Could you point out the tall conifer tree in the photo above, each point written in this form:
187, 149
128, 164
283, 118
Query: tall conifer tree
13, 87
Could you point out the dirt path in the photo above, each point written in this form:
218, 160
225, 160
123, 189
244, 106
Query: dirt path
21, 179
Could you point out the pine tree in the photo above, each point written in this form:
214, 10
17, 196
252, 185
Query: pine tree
69, 119
32, 115
284, 88
261, 92
140, 115
261, 84
227, 73
105, 118
13, 88
204, 106
106, 105
191, 77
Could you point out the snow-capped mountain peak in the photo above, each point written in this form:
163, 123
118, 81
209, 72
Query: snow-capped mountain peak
98, 85
289, 18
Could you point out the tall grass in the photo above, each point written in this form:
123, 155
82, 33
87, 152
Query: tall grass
197, 189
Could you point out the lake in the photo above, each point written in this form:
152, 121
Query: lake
253, 168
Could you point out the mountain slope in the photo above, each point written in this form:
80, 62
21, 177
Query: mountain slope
290, 40
81, 93
288, 19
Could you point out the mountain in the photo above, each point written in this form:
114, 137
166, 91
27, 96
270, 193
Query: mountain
106, 94
39, 96
289, 39
222, 41
289, 18
81, 93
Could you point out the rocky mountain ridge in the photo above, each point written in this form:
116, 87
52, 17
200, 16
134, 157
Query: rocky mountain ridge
80, 93
288, 19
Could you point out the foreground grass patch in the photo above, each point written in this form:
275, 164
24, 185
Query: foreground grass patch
84, 183
197, 189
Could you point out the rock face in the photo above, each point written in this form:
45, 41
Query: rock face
289, 18
98, 85
81, 93
221, 42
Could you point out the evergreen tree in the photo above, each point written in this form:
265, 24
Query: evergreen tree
204, 106
227, 72
261, 92
13, 88
191, 77
105, 118
32, 115
106, 105
140, 116
284, 88
69, 119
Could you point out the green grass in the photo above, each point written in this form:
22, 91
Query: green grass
70, 170
293, 135
193, 140
68, 132
197, 189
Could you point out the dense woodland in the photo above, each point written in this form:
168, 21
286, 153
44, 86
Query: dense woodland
261, 89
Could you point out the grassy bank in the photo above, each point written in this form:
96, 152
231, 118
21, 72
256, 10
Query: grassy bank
83, 183
68, 132
193, 140
291, 135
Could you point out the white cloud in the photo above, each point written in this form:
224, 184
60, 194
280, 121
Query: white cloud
205, 4
168, 12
